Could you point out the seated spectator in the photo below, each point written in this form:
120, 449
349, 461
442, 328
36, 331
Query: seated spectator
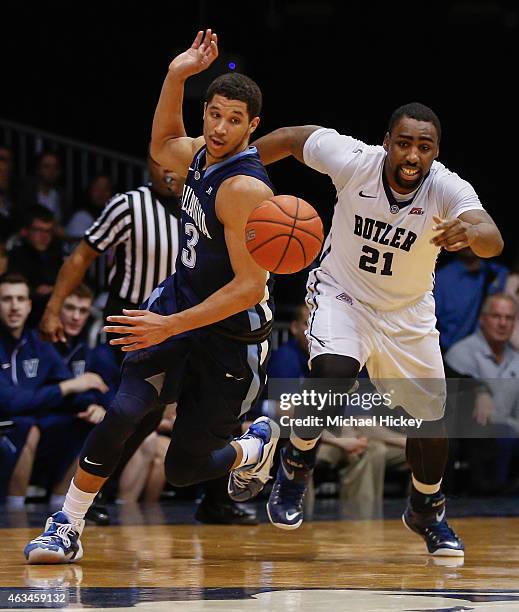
474, 278
77, 355
39, 395
45, 189
99, 192
38, 258
512, 289
7, 201
487, 355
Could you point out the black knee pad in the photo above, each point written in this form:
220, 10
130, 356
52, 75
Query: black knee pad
181, 467
335, 366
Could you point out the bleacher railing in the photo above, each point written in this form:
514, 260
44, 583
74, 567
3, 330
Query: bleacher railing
80, 161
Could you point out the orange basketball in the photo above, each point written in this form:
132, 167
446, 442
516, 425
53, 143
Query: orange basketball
284, 234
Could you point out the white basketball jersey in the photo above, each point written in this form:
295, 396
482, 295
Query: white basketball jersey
379, 249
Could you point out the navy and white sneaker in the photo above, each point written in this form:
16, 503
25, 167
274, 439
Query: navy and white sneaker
285, 504
440, 539
247, 481
59, 543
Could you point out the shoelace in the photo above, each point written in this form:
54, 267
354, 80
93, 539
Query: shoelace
292, 492
62, 531
242, 479
440, 532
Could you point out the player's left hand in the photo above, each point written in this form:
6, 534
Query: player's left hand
454, 234
144, 329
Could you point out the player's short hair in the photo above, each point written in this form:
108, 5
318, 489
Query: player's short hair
418, 111
83, 291
236, 86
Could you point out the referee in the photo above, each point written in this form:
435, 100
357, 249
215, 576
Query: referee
143, 226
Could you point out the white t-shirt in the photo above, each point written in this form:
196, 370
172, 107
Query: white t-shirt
380, 252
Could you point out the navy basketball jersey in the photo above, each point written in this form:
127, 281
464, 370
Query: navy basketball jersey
203, 264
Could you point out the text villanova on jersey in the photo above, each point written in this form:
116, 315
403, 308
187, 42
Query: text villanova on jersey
192, 207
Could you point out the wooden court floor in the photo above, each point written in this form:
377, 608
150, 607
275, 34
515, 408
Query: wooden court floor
325, 565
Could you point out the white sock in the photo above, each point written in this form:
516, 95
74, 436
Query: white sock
251, 448
425, 488
77, 503
15, 501
302, 445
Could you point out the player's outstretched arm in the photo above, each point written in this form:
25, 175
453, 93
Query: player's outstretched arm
474, 228
284, 142
69, 277
169, 145
237, 197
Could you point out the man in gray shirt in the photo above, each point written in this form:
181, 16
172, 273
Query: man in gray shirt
488, 355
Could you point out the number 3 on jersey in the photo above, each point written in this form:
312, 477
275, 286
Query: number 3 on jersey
370, 259
189, 254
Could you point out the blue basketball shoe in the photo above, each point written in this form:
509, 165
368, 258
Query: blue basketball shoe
285, 504
59, 543
434, 529
246, 482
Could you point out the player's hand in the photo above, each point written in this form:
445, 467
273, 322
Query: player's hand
144, 329
93, 414
51, 327
454, 235
198, 57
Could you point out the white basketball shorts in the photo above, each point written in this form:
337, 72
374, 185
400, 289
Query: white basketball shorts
400, 348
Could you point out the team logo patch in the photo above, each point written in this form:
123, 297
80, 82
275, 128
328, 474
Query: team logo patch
78, 367
416, 211
197, 175
30, 367
394, 209
344, 297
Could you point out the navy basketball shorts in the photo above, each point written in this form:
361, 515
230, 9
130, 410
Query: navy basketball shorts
215, 380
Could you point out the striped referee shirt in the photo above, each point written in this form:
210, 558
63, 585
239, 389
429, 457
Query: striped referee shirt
144, 231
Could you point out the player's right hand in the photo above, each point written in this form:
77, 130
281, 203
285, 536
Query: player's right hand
198, 57
51, 327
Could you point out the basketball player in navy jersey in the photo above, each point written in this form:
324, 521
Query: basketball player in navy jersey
202, 337
371, 299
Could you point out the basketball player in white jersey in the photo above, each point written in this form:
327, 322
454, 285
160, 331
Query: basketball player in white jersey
371, 297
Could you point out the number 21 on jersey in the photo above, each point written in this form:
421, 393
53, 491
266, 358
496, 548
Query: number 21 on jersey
369, 261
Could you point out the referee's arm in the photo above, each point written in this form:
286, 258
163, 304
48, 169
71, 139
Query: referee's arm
69, 277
